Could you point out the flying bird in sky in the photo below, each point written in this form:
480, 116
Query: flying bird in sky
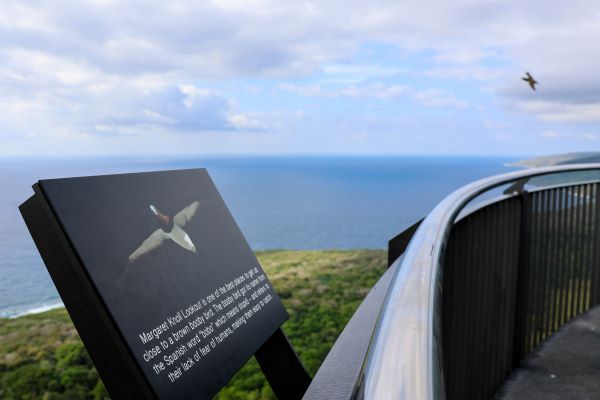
174, 231
529, 79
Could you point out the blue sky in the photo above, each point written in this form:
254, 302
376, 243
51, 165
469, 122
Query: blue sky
298, 77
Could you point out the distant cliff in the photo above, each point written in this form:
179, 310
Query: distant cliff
560, 159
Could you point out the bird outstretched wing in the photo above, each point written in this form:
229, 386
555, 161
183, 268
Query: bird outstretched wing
185, 215
152, 242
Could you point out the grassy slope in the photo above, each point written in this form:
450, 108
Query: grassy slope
41, 356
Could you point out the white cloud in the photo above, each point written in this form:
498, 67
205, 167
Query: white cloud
447, 52
504, 137
193, 93
556, 111
357, 74
551, 134
373, 90
439, 98
244, 122
269, 37
70, 67
464, 73
428, 97
306, 90
112, 105
568, 134
496, 125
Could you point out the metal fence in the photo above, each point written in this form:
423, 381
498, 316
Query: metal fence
479, 300
473, 295
515, 271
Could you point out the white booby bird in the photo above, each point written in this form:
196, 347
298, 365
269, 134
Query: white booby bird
176, 233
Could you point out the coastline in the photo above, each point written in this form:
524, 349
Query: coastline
557, 159
37, 309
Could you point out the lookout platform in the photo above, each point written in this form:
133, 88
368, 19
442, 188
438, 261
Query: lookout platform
566, 366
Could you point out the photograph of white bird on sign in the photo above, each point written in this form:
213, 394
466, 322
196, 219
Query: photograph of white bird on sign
174, 231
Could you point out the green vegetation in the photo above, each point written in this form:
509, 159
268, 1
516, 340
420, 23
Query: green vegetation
42, 357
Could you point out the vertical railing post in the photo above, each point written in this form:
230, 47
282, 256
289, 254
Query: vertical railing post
595, 280
521, 311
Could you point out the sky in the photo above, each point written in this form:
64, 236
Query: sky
345, 77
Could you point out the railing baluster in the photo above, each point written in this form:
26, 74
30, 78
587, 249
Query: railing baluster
512, 237
541, 268
595, 281
523, 294
466, 296
554, 265
489, 272
564, 251
503, 300
547, 263
558, 264
583, 264
575, 257
590, 246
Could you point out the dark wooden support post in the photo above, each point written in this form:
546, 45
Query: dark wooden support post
282, 367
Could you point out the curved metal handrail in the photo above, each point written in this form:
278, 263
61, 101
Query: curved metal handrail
404, 360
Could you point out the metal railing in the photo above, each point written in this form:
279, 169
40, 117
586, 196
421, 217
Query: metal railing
471, 297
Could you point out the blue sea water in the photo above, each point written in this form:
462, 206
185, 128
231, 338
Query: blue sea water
278, 202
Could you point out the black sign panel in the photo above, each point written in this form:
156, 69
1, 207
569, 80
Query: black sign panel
172, 270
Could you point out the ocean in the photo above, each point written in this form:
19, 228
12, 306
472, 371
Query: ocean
278, 202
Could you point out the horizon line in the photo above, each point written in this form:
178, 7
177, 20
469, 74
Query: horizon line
270, 155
